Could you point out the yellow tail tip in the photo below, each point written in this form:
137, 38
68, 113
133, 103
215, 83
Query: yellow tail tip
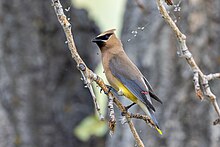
159, 131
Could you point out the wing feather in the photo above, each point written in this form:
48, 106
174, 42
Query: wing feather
132, 79
151, 92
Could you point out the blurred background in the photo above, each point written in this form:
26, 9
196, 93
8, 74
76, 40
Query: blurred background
43, 102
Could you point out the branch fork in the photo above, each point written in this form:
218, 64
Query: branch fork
198, 76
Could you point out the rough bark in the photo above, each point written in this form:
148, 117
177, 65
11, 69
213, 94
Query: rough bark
41, 98
184, 120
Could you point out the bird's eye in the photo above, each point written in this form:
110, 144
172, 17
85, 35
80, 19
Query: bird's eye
105, 37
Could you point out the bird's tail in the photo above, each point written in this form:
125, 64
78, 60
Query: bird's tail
151, 115
155, 122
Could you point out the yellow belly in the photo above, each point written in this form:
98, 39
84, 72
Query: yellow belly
117, 85
126, 92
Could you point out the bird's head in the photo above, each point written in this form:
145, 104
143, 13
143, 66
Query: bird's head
106, 39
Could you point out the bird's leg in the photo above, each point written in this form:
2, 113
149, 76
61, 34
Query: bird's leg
127, 107
115, 92
110, 88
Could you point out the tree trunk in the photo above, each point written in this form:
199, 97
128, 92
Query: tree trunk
41, 100
184, 119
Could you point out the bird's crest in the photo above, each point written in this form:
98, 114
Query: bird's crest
107, 32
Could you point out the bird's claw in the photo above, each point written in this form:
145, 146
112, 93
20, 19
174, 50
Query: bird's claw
123, 113
109, 89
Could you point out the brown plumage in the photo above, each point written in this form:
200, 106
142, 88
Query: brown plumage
123, 75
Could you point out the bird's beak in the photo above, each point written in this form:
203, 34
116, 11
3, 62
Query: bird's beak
97, 40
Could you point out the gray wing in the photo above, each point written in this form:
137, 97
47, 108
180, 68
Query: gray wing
132, 79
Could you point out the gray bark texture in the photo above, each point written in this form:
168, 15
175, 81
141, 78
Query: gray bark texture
41, 94
184, 119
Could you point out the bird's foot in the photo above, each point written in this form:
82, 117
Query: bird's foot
123, 113
109, 89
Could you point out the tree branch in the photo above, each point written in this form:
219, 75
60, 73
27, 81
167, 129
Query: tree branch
197, 73
71, 44
89, 76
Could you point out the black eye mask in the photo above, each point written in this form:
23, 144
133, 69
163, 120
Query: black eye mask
104, 37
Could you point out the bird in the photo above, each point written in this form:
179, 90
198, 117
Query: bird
124, 76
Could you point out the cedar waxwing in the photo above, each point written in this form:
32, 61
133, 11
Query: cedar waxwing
124, 76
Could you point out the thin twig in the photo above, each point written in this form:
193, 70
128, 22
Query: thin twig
87, 74
169, 2
213, 76
71, 44
185, 53
112, 120
143, 117
197, 85
102, 85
